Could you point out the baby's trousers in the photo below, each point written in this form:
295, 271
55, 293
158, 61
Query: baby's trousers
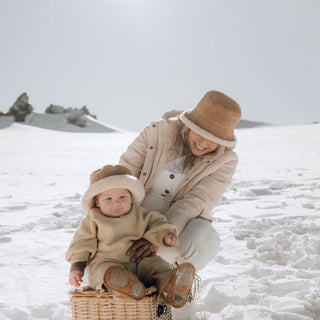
150, 271
199, 243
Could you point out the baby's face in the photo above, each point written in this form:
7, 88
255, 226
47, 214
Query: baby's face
114, 202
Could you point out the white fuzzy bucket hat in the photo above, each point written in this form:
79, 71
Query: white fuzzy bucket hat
111, 177
214, 118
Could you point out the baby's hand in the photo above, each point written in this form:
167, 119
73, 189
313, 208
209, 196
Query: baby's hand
75, 278
171, 240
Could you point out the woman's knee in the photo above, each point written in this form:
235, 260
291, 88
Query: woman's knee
199, 243
211, 243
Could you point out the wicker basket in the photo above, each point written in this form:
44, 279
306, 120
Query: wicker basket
88, 304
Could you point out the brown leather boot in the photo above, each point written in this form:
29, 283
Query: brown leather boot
177, 290
120, 279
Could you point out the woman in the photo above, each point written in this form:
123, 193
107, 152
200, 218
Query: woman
185, 164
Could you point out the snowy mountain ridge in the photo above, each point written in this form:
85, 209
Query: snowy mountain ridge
68, 119
60, 122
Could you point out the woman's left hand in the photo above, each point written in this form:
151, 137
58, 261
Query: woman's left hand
140, 249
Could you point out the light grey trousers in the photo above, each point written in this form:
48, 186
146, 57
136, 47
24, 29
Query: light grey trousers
199, 243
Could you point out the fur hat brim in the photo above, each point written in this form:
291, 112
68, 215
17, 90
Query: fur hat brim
205, 134
117, 181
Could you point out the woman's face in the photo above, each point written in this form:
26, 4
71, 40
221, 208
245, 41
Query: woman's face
199, 145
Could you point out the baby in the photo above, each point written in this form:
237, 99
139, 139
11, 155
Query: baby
114, 220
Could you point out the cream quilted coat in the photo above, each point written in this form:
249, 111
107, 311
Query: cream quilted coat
203, 185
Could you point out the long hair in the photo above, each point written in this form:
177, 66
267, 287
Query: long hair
181, 148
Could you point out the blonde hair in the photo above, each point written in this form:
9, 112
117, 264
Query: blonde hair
181, 148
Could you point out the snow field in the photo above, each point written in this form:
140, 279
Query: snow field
268, 266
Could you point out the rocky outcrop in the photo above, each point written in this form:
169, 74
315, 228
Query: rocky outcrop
77, 118
21, 108
74, 115
85, 110
55, 118
54, 109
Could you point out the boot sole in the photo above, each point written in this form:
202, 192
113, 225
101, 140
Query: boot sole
121, 280
182, 279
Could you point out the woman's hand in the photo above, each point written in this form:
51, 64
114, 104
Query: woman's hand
75, 277
140, 249
171, 240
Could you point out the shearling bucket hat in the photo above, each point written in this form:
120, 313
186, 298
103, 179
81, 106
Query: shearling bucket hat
111, 177
214, 118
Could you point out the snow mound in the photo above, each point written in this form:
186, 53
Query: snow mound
61, 122
69, 122
6, 121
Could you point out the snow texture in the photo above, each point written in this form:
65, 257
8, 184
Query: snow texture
72, 121
268, 267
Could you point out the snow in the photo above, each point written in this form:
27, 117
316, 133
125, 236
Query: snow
268, 266
6, 121
60, 122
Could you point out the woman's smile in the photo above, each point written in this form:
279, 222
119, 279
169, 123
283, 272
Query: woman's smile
201, 148
199, 145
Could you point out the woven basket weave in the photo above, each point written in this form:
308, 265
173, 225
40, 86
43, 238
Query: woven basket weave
88, 304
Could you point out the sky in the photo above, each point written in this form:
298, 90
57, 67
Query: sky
129, 61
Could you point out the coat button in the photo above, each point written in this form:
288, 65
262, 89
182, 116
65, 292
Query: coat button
153, 125
144, 173
151, 147
167, 191
171, 176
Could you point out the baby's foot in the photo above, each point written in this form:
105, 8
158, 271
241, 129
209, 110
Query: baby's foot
120, 279
177, 290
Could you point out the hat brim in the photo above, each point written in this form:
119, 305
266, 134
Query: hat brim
114, 182
205, 134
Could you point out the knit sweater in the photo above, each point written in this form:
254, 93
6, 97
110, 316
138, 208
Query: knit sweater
101, 238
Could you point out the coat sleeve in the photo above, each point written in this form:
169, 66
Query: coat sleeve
158, 226
203, 197
84, 244
134, 157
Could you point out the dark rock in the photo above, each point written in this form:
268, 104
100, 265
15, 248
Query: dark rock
54, 109
74, 112
21, 108
85, 110
76, 117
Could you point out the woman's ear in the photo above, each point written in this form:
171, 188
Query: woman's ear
97, 202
